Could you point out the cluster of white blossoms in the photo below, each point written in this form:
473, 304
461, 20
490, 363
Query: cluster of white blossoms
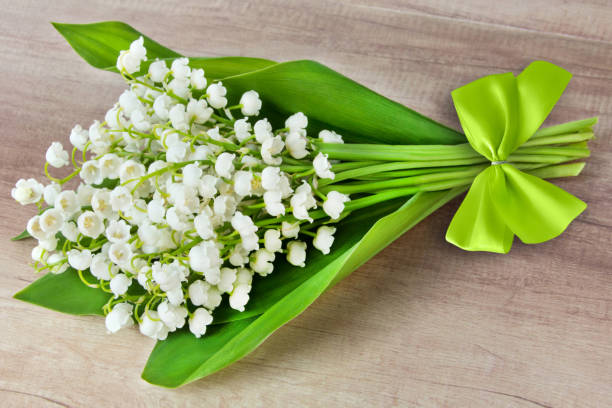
181, 199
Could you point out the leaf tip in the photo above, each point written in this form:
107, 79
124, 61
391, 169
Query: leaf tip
20, 295
59, 26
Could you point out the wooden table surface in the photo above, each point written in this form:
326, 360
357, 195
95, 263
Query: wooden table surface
423, 324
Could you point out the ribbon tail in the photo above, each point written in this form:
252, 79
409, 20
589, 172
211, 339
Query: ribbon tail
535, 210
477, 226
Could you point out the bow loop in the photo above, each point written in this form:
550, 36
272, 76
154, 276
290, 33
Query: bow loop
498, 114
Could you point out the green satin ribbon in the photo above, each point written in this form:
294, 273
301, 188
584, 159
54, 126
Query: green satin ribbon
499, 113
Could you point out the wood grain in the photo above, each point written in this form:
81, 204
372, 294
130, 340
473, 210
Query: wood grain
423, 324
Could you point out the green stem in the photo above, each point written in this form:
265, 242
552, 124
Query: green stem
565, 128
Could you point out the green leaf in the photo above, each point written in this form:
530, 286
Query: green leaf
25, 234
222, 67
330, 99
65, 293
183, 358
99, 43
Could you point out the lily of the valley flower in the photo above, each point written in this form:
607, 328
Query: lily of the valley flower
177, 196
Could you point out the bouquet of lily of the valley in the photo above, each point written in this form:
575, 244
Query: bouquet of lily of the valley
219, 197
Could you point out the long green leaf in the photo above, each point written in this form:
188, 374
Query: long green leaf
182, 358
329, 98
99, 43
65, 293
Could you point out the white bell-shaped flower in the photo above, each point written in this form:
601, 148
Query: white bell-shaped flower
51, 221
296, 253
152, 326
224, 206
208, 186
79, 137
129, 60
129, 102
251, 104
242, 129
239, 256
273, 202
90, 172
324, 239
243, 183
226, 283
120, 253
302, 201
224, 166
180, 68
34, 229
162, 105
239, 297
198, 322
27, 191
271, 179
290, 230
329, 136
57, 264
109, 166
67, 203
84, 194
202, 293
197, 79
323, 167
198, 111
118, 231
271, 147
168, 276
244, 276
177, 152
119, 317
297, 122
70, 231
263, 130
334, 204
101, 203
180, 88
178, 117
261, 262
119, 284
56, 156
50, 193
39, 254
272, 241
131, 170
158, 71
101, 267
156, 211
121, 199
296, 144
205, 258
79, 260
216, 95
172, 316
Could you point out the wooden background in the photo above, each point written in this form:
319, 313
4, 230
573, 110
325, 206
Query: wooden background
423, 324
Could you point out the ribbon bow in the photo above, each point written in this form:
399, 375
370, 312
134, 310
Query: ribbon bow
499, 113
